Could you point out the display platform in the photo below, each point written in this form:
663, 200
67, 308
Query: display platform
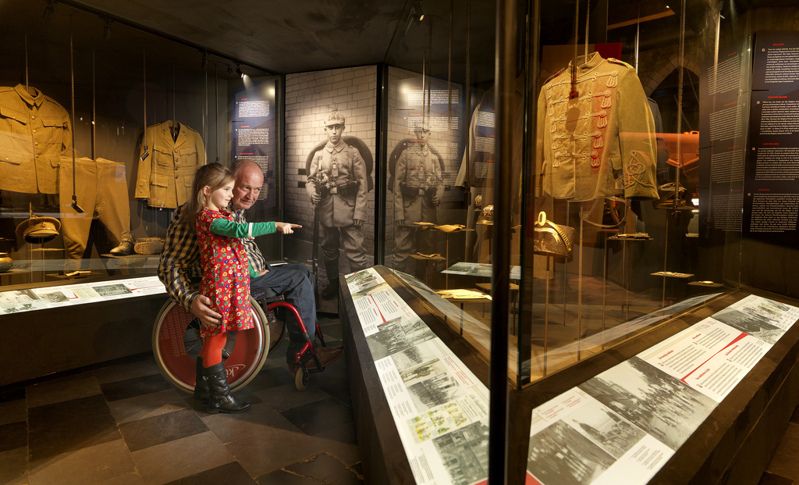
694, 398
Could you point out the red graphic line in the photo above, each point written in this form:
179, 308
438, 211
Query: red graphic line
736, 339
378, 309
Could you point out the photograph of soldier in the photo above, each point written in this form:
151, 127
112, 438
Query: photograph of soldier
337, 184
418, 185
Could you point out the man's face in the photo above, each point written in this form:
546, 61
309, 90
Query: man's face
247, 189
334, 132
422, 136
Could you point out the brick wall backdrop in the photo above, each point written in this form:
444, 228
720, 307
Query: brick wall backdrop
309, 99
446, 122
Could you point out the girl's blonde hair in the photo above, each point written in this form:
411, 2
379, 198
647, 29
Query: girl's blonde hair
214, 175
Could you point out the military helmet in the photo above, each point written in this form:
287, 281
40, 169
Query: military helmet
334, 118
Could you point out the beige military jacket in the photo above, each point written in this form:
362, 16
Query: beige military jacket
600, 143
340, 163
167, 165
418, 169
34, 132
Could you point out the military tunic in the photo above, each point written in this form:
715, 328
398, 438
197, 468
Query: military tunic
600, 143
34, 133
167, 165
417, 181
341, 164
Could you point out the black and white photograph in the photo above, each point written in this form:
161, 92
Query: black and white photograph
331, 125
434, 391
652, 400
752, 323
111, 290
464, 453
53, 296
415, 355
560, 455
607, 429
18, 301
395, 337
422, 371
361, 282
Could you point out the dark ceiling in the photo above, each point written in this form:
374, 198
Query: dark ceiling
287, 36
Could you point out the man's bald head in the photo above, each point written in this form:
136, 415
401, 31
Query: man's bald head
249, 181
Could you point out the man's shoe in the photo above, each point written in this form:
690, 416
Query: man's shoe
122, 249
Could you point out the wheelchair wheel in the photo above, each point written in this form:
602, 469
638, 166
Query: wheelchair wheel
177, 363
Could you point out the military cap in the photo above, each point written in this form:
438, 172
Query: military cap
334, 118
38, 229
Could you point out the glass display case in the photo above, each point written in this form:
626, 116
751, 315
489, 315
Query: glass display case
103, 127
611, 183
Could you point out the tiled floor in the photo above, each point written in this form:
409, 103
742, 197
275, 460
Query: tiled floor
122, 423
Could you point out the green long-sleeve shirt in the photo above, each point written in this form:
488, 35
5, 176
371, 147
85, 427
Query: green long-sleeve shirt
240, 230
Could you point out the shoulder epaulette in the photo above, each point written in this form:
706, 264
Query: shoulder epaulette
620, 62
557, 73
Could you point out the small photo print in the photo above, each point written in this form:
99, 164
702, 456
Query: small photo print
112, 290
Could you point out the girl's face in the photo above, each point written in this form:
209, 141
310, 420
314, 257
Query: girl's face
220, 198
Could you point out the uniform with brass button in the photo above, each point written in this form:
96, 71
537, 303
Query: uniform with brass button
167, 164
34, 132
418, 186
598, 141
337, 184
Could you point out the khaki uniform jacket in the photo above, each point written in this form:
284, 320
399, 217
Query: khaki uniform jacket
600, 143
417, 168
342, 163
167, 166
34, 132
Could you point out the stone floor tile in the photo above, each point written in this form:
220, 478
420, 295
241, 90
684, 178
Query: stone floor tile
229, 474
63, 389
135, 386
317, 417
161, 429
282, 477
92, 464
149, 405
186, 456
68, 426
325, 468
784, 463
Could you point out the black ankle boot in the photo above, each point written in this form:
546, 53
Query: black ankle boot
220, 399
201, 391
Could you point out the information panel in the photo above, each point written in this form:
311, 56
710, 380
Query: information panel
771, 206
254, 131
624, 424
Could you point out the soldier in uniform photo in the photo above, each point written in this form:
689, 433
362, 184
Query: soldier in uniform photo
418, 186
337, 184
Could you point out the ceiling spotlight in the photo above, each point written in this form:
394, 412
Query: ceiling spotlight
238, 71
417, 11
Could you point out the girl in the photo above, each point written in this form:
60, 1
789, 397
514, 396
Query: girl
225, 274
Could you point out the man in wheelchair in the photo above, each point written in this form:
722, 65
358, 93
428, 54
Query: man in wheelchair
179, 270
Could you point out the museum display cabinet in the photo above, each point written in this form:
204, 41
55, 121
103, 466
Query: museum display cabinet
103, 125
586, 249
562, 235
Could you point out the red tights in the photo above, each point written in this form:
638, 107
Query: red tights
211, 352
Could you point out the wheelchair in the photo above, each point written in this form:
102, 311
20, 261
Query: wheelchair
176, 344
